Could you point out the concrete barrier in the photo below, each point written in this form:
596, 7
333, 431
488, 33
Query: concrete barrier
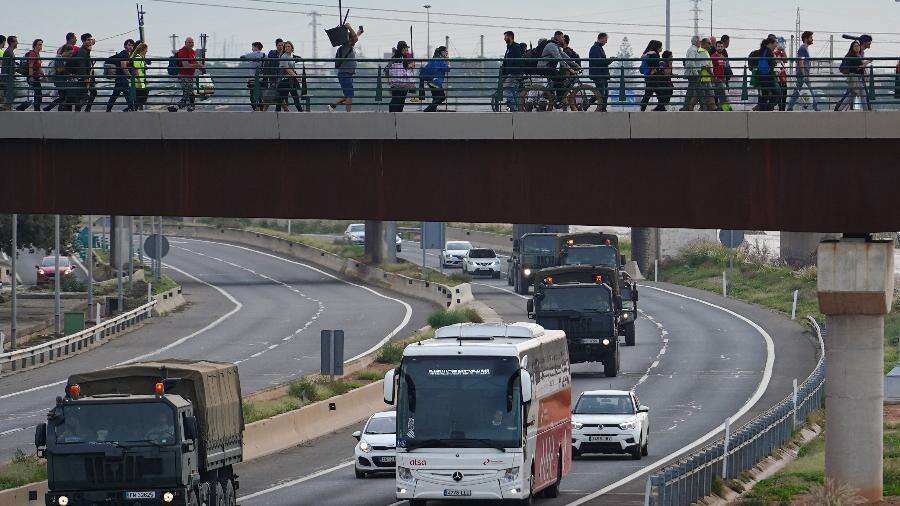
169, 301
32, 493
448, 297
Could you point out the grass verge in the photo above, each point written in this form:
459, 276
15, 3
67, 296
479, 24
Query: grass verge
22, 470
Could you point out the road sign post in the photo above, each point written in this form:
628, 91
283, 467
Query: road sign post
332, 353
433, 237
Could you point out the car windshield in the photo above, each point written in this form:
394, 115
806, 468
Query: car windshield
382, 425
576, 298
116, 422
457, 402
539, 245
459, 246
482, 253
357, 228
604, 405
51, 261
592, 255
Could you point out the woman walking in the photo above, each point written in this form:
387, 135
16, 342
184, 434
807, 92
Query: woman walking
402, 76
854, 67
665, 86
288, 83
139, 72
766, 75
650, 62
434, 74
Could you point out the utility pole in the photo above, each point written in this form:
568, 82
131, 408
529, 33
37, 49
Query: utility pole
427, 29
711, 18
174, 43
668, 24
314, 23
140, 16
12, 259
696, 10
831, 48
447, 42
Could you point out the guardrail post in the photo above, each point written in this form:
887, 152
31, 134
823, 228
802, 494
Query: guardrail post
870, 90
622, 84
379, 86
745, 93
256, 92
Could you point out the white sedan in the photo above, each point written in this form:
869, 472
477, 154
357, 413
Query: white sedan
481, 261
610, 421
453, 253
376, 451
356, 234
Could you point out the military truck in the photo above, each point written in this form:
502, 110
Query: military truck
603, 249
583, 301
531, 253
166, 432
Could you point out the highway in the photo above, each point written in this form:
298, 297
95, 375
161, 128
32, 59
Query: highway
248, 307
699, 359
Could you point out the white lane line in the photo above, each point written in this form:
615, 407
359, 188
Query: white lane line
180, 341
502, 290
760, 390
406, 318
13, 431
297, 481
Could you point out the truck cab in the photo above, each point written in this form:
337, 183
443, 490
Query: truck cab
531, 253
583, 301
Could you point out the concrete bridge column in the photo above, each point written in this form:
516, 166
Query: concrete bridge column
118, 241
644, 242
381, 244
856, 286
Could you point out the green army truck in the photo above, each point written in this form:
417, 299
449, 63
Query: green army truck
603, 249
583, 301
531, 253
165, 432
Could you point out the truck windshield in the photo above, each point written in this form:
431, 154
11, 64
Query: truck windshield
116, 422
576, 298
604, 405
539, 245
459, 402
592, 255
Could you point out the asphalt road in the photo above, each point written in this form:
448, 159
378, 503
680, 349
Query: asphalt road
695, 364
247, 307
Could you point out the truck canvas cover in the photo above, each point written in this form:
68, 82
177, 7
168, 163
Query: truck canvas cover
213, 388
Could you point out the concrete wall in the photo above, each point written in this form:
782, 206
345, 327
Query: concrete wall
672, 241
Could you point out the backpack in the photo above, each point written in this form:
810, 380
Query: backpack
534, 54
59, 65
110, 65
172, 68
645, 65
753, 59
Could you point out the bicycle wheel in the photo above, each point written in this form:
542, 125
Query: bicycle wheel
585, 96
536, 98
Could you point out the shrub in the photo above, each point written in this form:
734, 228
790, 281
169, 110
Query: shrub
23, 469
368, 375
834, 494
444, 317
390, 353
303, 389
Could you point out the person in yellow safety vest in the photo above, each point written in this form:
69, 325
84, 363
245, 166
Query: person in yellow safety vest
139, 75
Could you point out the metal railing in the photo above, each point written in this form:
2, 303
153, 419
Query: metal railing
63, 347
471, 85
691, 478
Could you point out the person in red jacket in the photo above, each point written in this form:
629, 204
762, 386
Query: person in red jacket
187, 69
719, 67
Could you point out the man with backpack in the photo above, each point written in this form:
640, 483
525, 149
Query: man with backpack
553, 64
599, 69
59, 76
117, 66
187, 69
34, 74
345, 63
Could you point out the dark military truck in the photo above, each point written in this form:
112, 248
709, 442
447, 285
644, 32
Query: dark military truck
603, 249
582, 301
531, 253
166, 432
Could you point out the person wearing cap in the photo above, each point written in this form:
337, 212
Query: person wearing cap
401, 72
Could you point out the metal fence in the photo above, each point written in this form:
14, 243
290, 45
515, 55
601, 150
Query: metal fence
57, 349
691, 478
471, 85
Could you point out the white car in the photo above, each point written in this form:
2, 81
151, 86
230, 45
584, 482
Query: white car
453, 253
376, 451
610, 421
481, 261
356, 234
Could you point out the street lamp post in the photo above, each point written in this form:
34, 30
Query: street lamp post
427, 29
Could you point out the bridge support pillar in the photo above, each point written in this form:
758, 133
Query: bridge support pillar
118, 241
381, 245
856, 286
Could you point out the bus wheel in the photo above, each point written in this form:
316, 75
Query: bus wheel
629, 334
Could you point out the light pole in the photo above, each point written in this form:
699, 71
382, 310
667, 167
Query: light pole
668, 24
427, 30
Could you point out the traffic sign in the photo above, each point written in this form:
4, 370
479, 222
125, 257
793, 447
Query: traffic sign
731, 238
150, 246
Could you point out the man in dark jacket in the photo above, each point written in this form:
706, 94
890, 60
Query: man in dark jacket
270, 65
81, 68
512, 70
123, 74
599, 69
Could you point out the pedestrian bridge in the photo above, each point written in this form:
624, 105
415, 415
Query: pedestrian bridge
795, 171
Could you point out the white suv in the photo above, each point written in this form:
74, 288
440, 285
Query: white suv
610, 421
376, 451
481, 261
453, 253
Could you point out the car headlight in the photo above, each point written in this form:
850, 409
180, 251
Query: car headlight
606, 342
629, 425
62, 501
365, 446
527, 272
625, 316
404, 473
168, 497
41, 272
510, 475
577, 425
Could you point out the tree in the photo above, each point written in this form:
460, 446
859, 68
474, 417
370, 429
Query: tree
624, 71
36, 231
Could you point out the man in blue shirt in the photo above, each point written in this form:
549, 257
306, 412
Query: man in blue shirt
803, 78
599, 69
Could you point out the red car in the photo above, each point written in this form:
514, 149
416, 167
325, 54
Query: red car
47, 269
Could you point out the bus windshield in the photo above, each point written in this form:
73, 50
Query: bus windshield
576, 298
459, 402
539, 245
592, 255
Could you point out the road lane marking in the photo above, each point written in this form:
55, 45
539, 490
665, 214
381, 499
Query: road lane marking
757, 395
502, 290
291, 483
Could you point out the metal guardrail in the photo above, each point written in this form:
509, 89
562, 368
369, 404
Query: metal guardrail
472, 84
63, 347
691, 478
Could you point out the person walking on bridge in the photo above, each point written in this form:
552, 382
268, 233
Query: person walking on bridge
34, 74
289, 82
598, 70
7, 74
345, 63
123, 74
692, 65
434, 74
803, 75
401, 71
511, 70
139, 68
187, 70
81, 68
854, 67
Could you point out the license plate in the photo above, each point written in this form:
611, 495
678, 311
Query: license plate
590, 341
601, 439
388, 460
140, 495
457, 492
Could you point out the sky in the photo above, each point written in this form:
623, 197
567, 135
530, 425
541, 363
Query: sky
232, 30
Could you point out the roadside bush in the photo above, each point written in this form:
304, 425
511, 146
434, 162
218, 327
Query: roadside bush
443, 317
22, 469
71, 284
368, 375
390, 353
303, 389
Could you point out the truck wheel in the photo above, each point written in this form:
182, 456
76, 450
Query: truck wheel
230, 498
611, 365
629, 334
